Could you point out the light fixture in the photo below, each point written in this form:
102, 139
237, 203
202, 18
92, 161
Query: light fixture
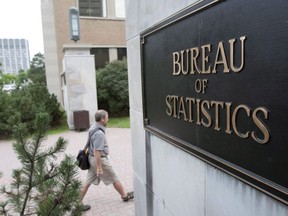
74, 24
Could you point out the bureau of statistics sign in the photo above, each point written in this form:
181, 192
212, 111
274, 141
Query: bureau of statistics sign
215, 84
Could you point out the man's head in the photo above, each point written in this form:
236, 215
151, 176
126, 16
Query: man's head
101, 117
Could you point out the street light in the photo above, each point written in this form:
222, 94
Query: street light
74, 24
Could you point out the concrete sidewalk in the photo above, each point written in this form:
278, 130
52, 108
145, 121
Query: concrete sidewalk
104, 200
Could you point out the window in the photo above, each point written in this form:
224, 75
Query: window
120, 8
5, 43
11, 43
63, 79
122, 53
92, 8
23, 44
101, 56
17, 44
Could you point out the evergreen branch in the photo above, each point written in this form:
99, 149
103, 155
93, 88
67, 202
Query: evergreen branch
20, 133
27, 195
2, 189
68, 187
60, 146
46, 178
58, 200
42, 187
41, 124
3, 209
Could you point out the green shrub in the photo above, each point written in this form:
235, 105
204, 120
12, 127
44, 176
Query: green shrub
112, 88
22, 105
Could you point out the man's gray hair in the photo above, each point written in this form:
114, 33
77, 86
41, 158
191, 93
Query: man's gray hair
100, 114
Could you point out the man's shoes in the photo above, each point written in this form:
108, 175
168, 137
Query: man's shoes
85, 207
129, 196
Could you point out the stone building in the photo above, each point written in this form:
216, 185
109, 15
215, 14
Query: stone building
70, 66
184, 162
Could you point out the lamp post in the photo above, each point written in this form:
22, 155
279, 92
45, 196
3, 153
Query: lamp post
74, 24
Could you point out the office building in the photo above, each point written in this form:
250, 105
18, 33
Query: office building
14, 55
102, 32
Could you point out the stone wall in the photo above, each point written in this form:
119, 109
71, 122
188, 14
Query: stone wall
167, 180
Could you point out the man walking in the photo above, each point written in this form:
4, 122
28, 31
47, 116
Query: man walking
100, 168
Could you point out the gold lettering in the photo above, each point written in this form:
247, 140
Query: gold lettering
217, 104
176, 59
232, 54
260, 125
187, 61
206, 114
194, 55
198, 111
169, 107
190, 101
181, 109
221, 51
175, 100
184, 64
204, 85
228, 118
205, 59
234, 119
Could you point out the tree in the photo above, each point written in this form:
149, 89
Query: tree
37, 69
41, 187
1, 73
112, 88
22, 105
22, 77
7, 79
11, 78
44, 101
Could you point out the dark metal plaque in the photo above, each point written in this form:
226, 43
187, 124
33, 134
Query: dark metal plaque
215, 83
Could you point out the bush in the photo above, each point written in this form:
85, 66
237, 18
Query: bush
22, 105
112, 88
40, 186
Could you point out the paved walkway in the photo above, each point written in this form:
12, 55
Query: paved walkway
104, 200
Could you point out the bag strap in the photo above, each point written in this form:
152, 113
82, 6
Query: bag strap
90, 134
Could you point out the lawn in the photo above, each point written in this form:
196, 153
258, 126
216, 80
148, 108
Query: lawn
114, 122
120, 122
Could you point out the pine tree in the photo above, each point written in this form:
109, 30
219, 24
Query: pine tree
3, 204
41, 186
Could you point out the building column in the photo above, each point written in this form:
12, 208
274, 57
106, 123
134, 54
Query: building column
78, 81
113, 55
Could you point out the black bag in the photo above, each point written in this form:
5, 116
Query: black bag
82, 157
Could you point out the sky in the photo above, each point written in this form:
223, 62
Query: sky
22, 19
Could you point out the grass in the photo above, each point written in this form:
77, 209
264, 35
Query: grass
119, 122
62, 127
114, 122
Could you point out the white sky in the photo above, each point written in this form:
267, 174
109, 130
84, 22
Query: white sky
22, 19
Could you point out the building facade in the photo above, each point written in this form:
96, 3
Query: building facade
14, 55
102, 31
168, 179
